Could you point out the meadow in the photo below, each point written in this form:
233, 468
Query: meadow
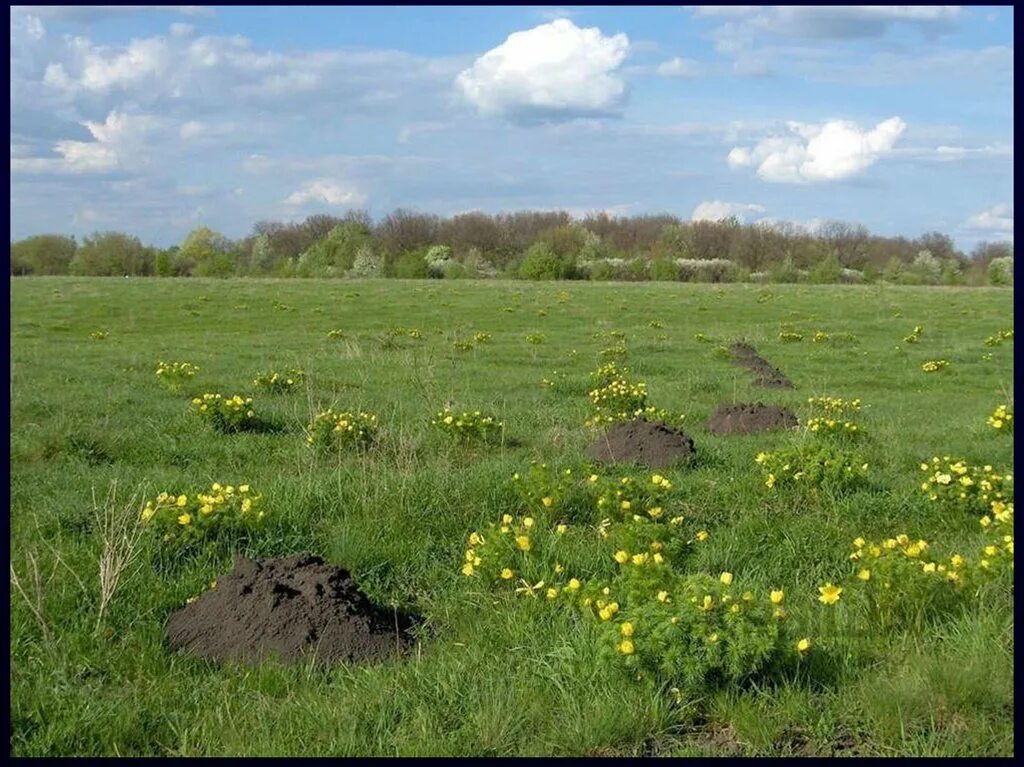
496, 672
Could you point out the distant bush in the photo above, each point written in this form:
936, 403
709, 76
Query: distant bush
1000, 271
43, 254
542, 263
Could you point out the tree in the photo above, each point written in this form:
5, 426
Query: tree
106, 254
43, 254
1000, 271
209, 251
366, 263
543, 263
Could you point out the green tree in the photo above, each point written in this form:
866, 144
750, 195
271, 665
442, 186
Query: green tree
209, 251
541, 262
43, 254
106, 254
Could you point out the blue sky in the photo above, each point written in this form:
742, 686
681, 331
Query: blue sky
157, 120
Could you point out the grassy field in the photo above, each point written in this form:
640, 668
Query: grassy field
494, 673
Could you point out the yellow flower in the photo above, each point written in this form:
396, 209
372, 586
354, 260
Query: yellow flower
864, 575
829, 594
663, 596
928, 567
185, 519
706, 604
657, 479
507, 574
626, 505
626, 629
676, 521
639, 559
523, 542
182, 500
506, 519
777, 596
147, 513
243, 488
858, 542
547, 501
803, 645
726, 578
713, 638
246, 505
658, 558
626, 647
748, 596
206, 509
592, 478
957, 561
552, 593
561, 529
574, 584
702, 535
621, 557
527, 522
467, 569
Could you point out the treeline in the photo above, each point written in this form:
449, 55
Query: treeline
530, 245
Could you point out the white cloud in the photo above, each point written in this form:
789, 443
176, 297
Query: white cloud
326, 192
182, 30
835, 150
88, 13
678, 67
997, 220
119, 143
552, 70
716, 210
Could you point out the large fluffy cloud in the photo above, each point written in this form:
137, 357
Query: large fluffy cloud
832, 151
716, 210
118, 144
553, 70
997, 220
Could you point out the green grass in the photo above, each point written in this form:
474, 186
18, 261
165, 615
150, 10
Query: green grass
493, 675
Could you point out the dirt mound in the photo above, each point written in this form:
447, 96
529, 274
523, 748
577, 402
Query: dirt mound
750, 419
652, 444
765, 374
295, 607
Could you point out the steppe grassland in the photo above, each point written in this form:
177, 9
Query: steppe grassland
496, 673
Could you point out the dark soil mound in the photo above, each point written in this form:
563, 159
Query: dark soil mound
746, 356
750, 419
655, 445
295, 607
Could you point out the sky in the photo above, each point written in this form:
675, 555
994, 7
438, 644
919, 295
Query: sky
157, 119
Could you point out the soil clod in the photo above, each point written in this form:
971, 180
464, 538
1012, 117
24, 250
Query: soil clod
765, 374
294, 608
655, 445
750, 418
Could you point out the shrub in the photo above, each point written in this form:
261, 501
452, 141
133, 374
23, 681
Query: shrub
1000, 271
541, 262
367, 263
174, 375
467, 426
229, 414
192, 517
816, 466
341, 429
1002, 419
278, 383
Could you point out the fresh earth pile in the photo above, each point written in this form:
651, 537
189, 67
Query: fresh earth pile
652, 444
765, 374
292, 608
750, 419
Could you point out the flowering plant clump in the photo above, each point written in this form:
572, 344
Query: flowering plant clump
99, 335
914, 334
998, 338
790, 336
973, 488
634, 497
174, 374
836, 417
184, 518
463, 345
619, 396
543, 490
467, 426
278, 383
536, 338
932, 366
702, 338
336, 334
1002, 419
481, 338
555, 381
607, 373
820, 336
233, 413
824, 466
341, 429
612, 352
